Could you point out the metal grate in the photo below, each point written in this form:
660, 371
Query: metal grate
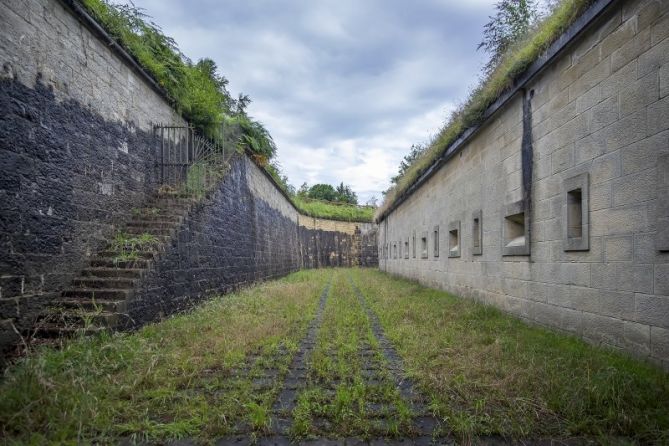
188, 162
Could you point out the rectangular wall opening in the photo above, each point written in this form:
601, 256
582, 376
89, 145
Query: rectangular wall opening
413, 244
575, 213
436, 241
454, 239
575, 220
515, 227
477, 234
423, 246
406, 249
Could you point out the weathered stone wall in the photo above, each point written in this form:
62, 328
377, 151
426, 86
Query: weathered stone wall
244, 232
76, 151
602, 108
337, 243
77, 154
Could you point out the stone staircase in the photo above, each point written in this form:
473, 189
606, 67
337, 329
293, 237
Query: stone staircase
96, 300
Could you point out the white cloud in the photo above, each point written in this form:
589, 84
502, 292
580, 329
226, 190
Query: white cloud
345, 87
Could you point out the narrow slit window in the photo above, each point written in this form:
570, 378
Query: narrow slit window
575, 213
406, 249
436, 241
413, 244
423, 246
454, 239
477, 234
575, 219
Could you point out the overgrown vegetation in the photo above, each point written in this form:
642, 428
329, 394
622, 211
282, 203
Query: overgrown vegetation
488, 373
200, 94
190, 375
509, 67
197, 375
333, 210
338, 398
128, 246
196, 89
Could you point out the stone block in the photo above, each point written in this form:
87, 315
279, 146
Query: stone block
658, 116
637, 338
625, 76
659, 343
603, 329
662, 210
634, 188
617, 276
662, 279
639, 94
654, 58
619, 248
603, 114
643, 154
630, 50
651, 309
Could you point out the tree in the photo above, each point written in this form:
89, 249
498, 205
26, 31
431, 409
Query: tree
415, 153
322, 192
511, 22
346, 195
303, 191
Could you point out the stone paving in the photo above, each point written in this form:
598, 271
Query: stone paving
376, 370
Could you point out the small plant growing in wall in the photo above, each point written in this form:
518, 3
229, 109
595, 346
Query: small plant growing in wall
128, 246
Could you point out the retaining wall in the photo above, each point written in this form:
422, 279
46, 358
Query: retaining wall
77, 154
596, 123
77, 151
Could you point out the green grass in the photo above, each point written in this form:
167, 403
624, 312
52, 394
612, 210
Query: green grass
483, 372
336, 389
169, 380
514, 63
489, 373
334, 211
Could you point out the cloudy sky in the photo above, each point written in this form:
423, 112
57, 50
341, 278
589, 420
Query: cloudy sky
344, 86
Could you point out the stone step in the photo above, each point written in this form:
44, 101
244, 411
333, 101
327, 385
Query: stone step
155, 224
163, 234
97, 293
109, 262
172, 217
148, 255
129, 273
104, 282
106, 305
55, 330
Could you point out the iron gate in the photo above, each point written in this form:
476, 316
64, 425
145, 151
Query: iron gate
188, 162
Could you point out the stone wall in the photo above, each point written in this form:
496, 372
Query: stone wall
244, 232
76, 151
587, 254
337, 243
78, 154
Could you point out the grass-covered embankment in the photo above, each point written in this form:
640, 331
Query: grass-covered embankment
334, 211
489, 373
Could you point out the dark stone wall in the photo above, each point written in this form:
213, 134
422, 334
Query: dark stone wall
321, 248
230, 239
369, 248
68, 177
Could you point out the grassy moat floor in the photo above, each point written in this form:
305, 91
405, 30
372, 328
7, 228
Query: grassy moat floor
350, 355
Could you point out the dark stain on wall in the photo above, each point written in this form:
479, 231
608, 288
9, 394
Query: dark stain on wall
68, 178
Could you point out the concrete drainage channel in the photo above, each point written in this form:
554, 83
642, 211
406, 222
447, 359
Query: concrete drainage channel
375, 368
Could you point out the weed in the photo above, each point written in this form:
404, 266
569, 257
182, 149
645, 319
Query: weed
490, 373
